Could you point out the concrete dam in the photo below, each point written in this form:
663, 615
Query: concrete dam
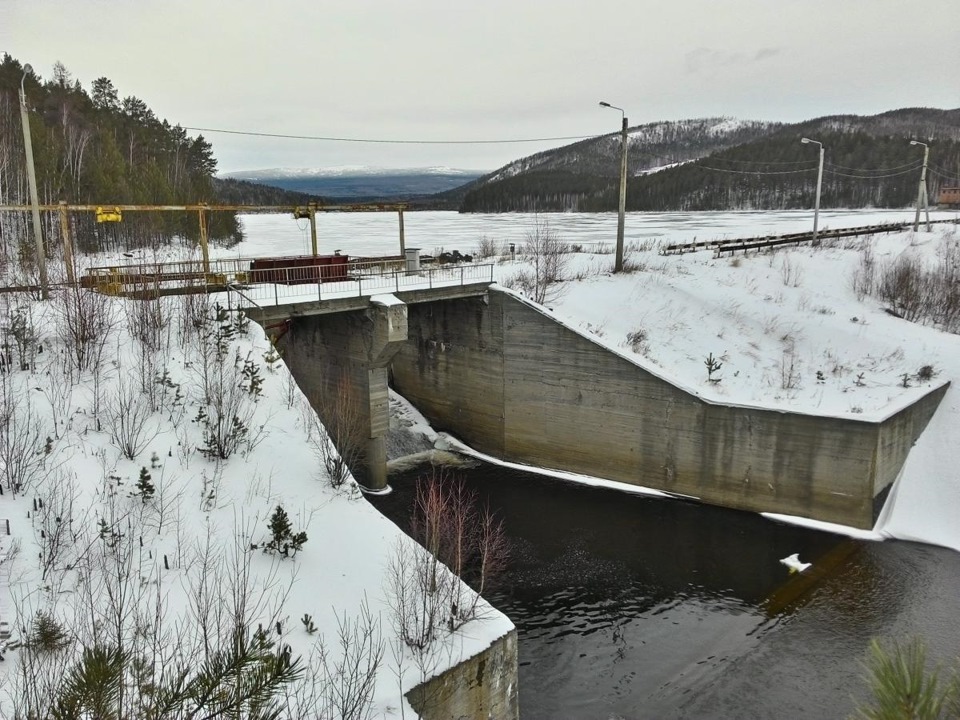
510, 380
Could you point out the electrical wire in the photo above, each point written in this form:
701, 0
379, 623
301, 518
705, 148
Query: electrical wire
326, 138
756, 172
765, 162
912, 164
870, 177
945, 176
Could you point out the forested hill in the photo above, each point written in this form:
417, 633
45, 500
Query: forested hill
91, 146
721, 165
243, 192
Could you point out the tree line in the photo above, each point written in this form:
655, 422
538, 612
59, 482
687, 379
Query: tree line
93, 147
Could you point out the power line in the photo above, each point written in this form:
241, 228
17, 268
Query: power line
765, 162
912, 164
756, 172
871, 177
382, 141
945, 176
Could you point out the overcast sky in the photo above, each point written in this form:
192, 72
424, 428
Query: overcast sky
485, 69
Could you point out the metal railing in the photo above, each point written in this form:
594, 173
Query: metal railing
721, 247
301, 284
264, 283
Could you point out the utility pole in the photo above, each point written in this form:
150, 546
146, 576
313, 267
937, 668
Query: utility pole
816, 208
922, 190
32, 182
618, 262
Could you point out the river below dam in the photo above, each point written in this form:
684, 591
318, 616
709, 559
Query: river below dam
635, 607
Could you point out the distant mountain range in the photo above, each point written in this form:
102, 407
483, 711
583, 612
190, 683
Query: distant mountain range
703, 164
356, 183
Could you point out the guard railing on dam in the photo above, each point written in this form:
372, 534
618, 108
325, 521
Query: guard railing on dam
270, 282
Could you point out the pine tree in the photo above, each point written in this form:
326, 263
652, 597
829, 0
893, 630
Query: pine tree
283, 538
144, 485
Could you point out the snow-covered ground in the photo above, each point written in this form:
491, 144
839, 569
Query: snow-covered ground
89, 547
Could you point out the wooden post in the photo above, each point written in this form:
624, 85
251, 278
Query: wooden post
203, 240
403, 246
313, 227
67, 243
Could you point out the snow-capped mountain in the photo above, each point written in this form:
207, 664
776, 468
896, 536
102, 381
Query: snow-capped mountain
355, 182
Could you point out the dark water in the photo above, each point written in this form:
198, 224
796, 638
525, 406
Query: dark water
630, 607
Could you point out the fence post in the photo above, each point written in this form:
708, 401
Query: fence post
461, 276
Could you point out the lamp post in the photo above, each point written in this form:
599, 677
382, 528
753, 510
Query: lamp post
922, 190
816, 210
618, 262
32, 182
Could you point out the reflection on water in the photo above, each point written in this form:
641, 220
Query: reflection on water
631, 607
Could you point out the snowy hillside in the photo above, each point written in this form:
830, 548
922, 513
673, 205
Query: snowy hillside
165, 499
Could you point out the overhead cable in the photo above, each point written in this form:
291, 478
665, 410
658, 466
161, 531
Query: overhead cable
383, 141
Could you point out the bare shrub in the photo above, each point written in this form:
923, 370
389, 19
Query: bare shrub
461, 542
632, 264
487, 247
148, 320
341, 447
548, 255
127, 412
54, 522
24, 448
21, 327
86, 318
907, 287
789, 370
864, 277
193, 316
790, 273
350, 679
920, 293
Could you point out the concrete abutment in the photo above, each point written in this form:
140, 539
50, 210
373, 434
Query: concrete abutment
513, 382
340, 362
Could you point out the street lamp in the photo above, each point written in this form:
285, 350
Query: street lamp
922, 190
816, 211
32, 182
618, 262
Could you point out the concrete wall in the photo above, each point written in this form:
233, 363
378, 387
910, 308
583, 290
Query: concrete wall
514, 383
483, 687
340, 362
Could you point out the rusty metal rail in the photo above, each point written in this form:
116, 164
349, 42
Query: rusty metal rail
722, 247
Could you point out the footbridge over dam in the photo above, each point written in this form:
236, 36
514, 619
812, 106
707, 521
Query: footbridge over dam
509, 379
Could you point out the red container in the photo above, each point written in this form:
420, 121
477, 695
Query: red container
299, 269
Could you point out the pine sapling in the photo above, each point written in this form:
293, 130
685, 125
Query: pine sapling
713, 365
283, 540
145, 487
308, 623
